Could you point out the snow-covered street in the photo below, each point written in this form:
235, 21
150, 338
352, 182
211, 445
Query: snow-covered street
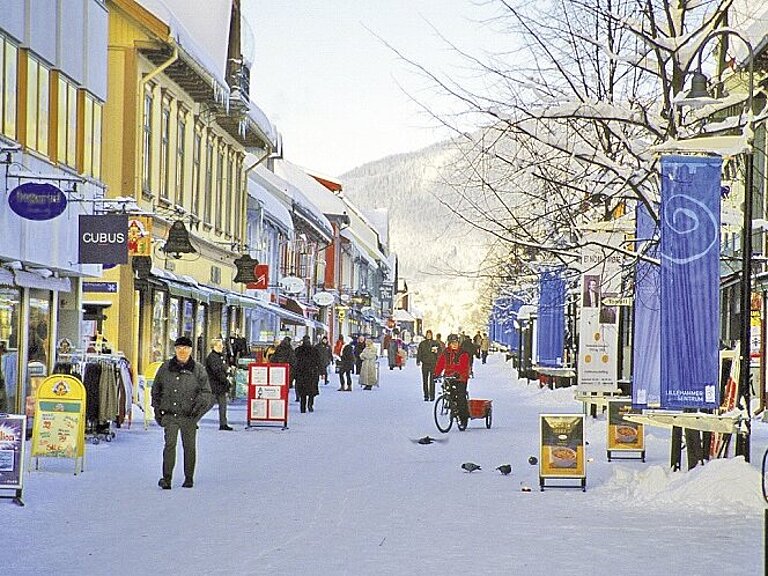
346, 490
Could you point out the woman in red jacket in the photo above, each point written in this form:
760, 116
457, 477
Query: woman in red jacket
455, 363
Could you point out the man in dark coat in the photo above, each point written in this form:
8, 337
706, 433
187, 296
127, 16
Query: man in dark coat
308, 366
326, 357
359, 347
468, 346
180, 396
284, 354
346, 367
426, 356
216, 368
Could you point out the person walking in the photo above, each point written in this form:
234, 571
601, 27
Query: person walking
181, 395
485, 346
308, 366
359, 347
369, 373
284, 354
346, 366
454, 362
426, 356
468, 346
392, 348
326, 357
440, 343
217, 377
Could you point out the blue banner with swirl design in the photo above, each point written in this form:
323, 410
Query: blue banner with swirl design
551, 331
690, 278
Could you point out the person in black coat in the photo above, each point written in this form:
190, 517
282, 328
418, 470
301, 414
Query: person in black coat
181, 395
426, 356
308, 366
215, 365
359, 347
326, 357
347, 365
284, 354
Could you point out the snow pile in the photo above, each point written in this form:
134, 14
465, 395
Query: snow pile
560, 397
723, 485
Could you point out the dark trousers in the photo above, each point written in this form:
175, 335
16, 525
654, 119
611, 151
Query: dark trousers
307, 401
484, 355
345, 374
188, 428
460, 397
358, 365
221, 399
427, 381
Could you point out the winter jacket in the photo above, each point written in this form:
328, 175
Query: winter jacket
453, 363
182, 390
427, 353
485, 344
284, 354
368, 374
347, 358
217, 372
326, 356
308, 368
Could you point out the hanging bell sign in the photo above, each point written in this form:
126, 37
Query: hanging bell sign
178, 241
246, 269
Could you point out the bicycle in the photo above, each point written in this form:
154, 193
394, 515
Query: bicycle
446, 406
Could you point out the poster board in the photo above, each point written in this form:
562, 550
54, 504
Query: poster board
268, 394
561, 449
59, 427
12, 448
624, 436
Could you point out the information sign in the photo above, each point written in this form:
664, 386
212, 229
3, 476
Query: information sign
58, 430
561, 450
268, 394
623, 435
12, 430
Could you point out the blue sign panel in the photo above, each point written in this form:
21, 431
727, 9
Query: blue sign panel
551, 334
37, 201
646, 383
108, 287
690, 277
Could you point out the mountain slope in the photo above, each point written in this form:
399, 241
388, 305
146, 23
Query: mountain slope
437, 252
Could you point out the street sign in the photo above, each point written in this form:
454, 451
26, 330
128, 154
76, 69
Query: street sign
261, 274
617, 301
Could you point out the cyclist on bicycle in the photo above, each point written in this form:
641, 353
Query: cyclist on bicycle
454, 363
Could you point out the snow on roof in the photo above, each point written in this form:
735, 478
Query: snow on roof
202, 34
263, 192
379, 218
302, 190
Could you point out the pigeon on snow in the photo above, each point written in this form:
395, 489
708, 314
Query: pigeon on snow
470, 466
427, 440
504, 469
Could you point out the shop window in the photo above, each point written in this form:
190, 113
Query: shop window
8, 87
174, 317
38, 344
201, 329
10, 313
158, 327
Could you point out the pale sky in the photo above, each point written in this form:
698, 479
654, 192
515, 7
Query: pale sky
331, 87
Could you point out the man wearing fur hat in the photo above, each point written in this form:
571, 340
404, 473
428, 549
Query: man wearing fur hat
181, 395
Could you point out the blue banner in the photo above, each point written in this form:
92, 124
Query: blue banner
690, 276
551, 326
646, 352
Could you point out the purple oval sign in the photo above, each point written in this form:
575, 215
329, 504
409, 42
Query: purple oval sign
37, 201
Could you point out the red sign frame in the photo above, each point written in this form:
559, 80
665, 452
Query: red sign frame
268, 394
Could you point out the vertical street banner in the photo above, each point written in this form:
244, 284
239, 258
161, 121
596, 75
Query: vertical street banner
646, 347
690, 280
551, 333
598, 325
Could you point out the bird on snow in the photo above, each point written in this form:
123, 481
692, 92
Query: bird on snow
504, 469
470, 466
427, 440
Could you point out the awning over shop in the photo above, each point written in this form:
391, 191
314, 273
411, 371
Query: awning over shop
6, 278
31, 280
401, 315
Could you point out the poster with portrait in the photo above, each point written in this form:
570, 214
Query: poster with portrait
140, 236
561, 450
598, 326
623, 435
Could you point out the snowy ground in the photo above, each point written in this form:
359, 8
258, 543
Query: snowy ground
345, 491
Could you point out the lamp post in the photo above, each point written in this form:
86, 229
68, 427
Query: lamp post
699, 91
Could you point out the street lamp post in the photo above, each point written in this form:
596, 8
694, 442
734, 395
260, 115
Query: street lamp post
699, 90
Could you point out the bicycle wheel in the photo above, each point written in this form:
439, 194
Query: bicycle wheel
443, 415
